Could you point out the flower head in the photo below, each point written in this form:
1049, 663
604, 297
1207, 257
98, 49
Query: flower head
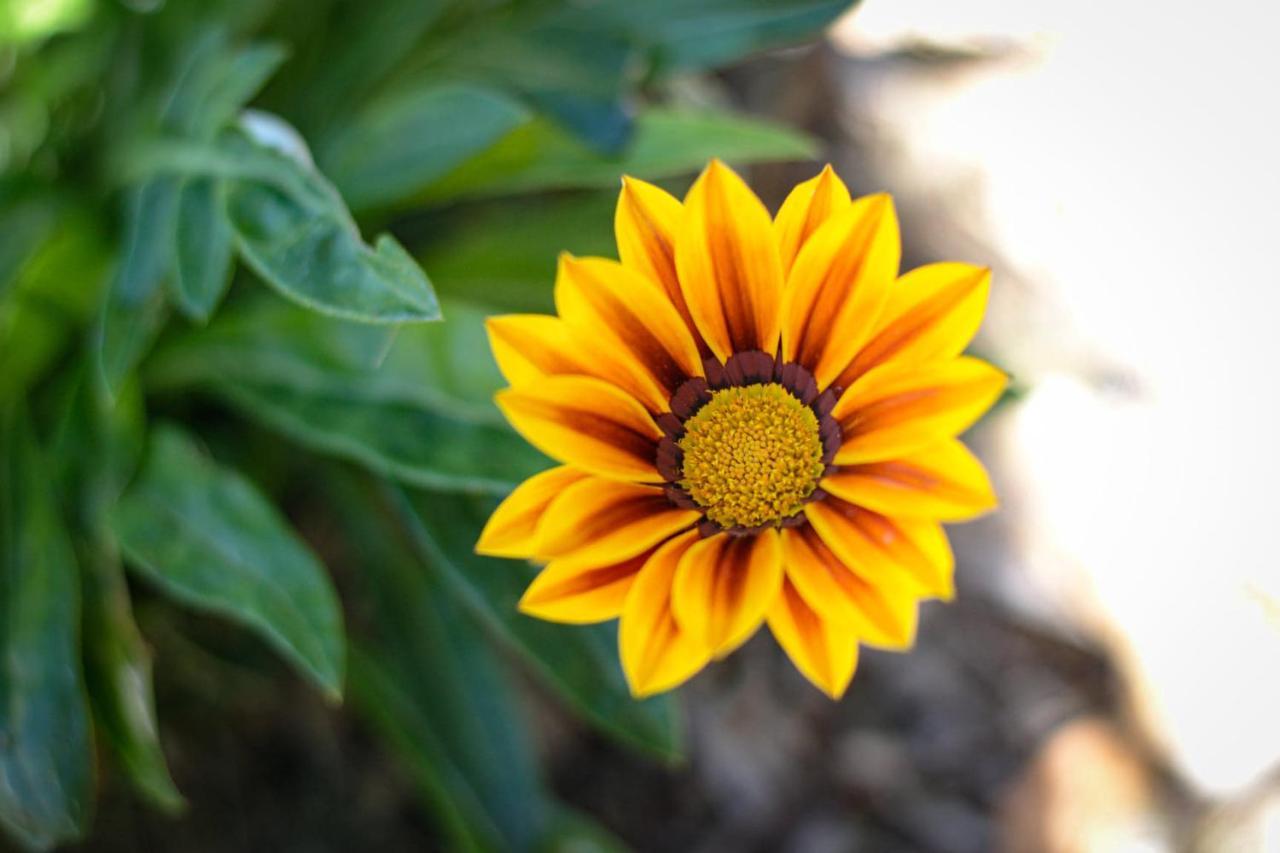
757, 421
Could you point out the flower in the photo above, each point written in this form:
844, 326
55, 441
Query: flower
757, 421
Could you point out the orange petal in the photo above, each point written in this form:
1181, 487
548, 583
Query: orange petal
615, 307
587, 423
723, 587
598, 522
529, 347
645, 225
581, 593
897, 409
511, 529
886, 552
882, 615
807, 207
824, 651
944, 482
932, 314
728, 264
838, 286
656, 654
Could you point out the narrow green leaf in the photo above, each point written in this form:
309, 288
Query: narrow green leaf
134, 306
202, 247
207, 537
45, 749
118, 675
418, 408
429, 682
537, 155
97, 447
401, 440
400, 143
238, 79
580, 662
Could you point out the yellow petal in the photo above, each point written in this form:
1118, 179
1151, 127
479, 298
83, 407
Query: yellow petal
807, 207
723, 587
581, 593
886, 552
728, 264
838, 287
623, 316
587, 423
932, 314
883, 615
897, 409
645, 225
511, 530
529, 347
656, 654
598, 521
944, 482
825, 652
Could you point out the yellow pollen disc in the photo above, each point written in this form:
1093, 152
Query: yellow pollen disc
752, 455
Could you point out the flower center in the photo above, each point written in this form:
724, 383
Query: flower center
752, 455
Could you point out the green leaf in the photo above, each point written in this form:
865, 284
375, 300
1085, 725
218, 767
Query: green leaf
418, 408
579, 662
475, 255
400, 143
400, 440
241, 75
207, 537
430, 684
691, 34
559, 57
215, 81
97, 447
53, 290
202, 246
538, 156
292, 229
45, 749
134, 306
118, 675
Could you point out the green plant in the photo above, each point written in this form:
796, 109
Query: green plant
143, 205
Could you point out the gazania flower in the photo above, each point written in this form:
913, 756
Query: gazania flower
757, 421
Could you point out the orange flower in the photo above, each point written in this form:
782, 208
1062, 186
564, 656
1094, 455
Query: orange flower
757, 421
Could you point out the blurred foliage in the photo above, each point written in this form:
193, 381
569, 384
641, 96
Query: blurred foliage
161, 161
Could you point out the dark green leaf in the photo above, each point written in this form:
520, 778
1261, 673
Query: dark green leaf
293, 230
570, 63
215, 81
241, 75
478, 257
429, 682
202, 246
578, 662
537, 155
689, 34
418, 408
134, 307
207, 537
399, 144
401, 440
45, 750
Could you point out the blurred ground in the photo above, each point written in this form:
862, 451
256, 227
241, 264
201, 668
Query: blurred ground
1106, 679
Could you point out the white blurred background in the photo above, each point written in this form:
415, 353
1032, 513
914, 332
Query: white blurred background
1118, 164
